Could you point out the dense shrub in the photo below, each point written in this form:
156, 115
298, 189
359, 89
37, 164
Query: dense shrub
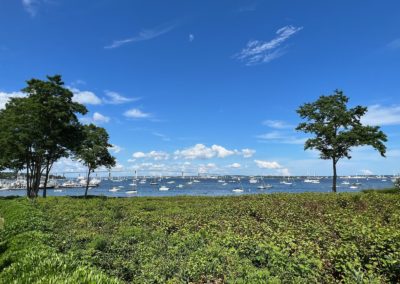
280, 238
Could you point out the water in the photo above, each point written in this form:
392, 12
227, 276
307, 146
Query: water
210, 187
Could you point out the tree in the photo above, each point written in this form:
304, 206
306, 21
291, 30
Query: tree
37, 130
337, 129
93, 151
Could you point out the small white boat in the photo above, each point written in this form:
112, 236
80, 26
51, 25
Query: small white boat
58, 190
286, 182
179, 186
237, 190
171, 182
224, 183
114, 189
354, 187
264, 186
253, 180
132, 184
131, 192
196, 181
190, 182
163, 188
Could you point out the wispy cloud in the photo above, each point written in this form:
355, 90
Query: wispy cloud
382, 115
143, 35
115, 148
247, 8
257, 52
278, 124
137, 113
116, 98
394, 44
191, 37
31, 6
281, 137
162, 136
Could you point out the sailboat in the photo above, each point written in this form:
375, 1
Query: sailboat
263, 185
286, 182
238, 189
133, 190
154, 182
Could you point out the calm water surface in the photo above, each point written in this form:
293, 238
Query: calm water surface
210, 187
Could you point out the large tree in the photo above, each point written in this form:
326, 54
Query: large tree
94, 150
337, 129
37, 130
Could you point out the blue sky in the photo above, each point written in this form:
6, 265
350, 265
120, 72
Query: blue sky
211, 86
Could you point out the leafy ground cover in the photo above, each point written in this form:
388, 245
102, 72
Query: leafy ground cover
278, 238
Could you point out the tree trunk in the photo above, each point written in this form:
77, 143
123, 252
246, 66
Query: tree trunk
334, 178
46, 178
87, 182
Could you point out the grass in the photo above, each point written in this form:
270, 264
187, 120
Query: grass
278, 238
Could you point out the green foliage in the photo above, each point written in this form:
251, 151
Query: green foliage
27, 257
93, 150
282, 238
397, 183
37, 130
337, 129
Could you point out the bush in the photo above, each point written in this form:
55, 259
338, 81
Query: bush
280, 238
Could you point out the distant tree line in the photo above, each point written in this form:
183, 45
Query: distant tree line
42, 127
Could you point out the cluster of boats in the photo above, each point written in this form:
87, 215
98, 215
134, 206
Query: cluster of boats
168, 183
20, 183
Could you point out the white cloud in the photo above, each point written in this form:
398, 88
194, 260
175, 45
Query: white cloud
248, 153
115, 149
200, 151
139, 155
5, 97
155, 155
98, 117
283, 172
85, 97
366, 172
202, 169
68, 165
279, 137
257, 52
143, 35
381, 115
136, 113
221, 152
234, 166
191, 37
116, 99
267, 164
278, 124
